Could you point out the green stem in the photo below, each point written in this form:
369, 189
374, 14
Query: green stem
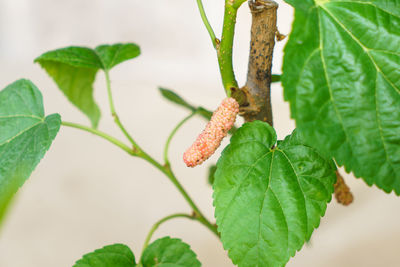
137, 151
226, 47
203, 15
171, 176
110, 97
238, 3
164, 169
115, 115
163, 220
101, 134
177, 127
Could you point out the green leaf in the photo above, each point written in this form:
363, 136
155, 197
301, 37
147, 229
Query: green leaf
175, 98
117, 255
211, 174
111, 55
275, 78
169, 252
341, 75
25, 136
74, 70
205, 113
268, 199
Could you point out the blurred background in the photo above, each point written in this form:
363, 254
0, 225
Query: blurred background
87, 193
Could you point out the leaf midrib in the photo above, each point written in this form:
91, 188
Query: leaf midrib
21, 116
298, 182
21, 132
262, 208
321, 47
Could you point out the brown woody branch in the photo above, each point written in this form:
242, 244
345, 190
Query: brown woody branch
258, 85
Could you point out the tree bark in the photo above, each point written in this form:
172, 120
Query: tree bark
258, 85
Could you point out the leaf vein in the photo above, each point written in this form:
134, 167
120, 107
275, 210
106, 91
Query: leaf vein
20, 133
240, 185
21, 116
262, 205
329, 85
364, 48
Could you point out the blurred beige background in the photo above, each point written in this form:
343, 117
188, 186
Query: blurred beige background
87, 193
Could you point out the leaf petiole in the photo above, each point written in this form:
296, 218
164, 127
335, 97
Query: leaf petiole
166, 170
115, 115
203, 15
163, 220
172, 134
109, 138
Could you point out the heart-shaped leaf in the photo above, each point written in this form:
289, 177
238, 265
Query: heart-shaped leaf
25, 136
341, 75
117, 255
169, 252
74, 70
268, 199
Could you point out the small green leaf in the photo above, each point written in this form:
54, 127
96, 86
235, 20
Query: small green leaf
268, 199
111, 55
175, 98
74, 70
169, 252
205, 113
341, 75
211, 174
25, 136
275, 78
117, 255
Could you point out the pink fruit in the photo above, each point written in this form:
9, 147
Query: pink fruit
210, 139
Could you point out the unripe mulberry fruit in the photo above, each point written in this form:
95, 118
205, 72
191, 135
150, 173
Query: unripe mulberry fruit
210, 139
343, 194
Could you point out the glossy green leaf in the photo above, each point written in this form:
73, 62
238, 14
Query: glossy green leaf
169, 252
341, 75
268, 198
25, 136
117, 255
111, 55
74, 70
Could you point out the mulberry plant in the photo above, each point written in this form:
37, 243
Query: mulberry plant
341, 77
